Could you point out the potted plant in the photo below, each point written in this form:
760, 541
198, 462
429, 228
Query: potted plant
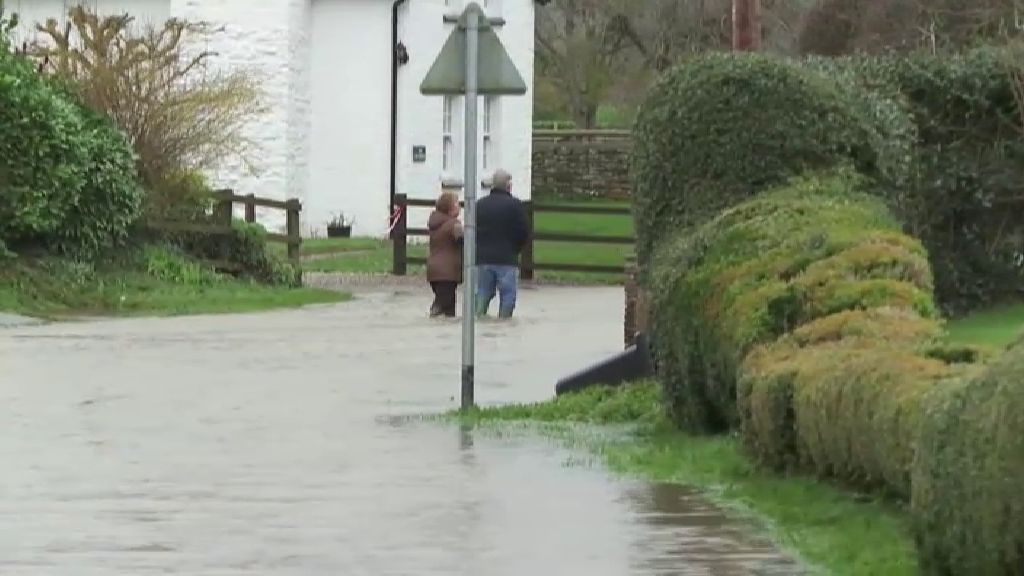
339, 227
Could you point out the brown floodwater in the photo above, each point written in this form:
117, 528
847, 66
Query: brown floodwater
279, 444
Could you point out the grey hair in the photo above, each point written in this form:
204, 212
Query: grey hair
501, 179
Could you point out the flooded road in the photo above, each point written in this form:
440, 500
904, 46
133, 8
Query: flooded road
276, 444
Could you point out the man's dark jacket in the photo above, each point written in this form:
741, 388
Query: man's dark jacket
502, 229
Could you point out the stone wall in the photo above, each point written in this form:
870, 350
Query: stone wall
593, 163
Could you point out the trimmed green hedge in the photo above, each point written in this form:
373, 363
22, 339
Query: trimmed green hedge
969, 473
847, 409
817, 247
722, 127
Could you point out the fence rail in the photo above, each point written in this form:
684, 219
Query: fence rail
223, 215
527, 262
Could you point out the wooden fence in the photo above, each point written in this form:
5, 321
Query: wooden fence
527, 264
223, 215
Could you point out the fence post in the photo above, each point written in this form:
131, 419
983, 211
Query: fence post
294, 207
250, 208
526, 260
630, 323
222, 213
399, 237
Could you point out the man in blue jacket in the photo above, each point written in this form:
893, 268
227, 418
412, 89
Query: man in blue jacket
502, 231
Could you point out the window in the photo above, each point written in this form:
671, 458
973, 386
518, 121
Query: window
488, 129
448, 135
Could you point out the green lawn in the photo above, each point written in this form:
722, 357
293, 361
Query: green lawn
842, 533
56, 289
369, 255
995, 328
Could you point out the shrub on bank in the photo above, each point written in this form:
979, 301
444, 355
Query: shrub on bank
67, 176
42, 154
966, 503
721, 127
817, 247
245, 247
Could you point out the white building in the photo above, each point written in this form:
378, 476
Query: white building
342, 80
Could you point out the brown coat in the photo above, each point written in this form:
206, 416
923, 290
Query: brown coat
444, 264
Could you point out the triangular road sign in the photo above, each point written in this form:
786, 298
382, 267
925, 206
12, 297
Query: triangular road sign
497, 75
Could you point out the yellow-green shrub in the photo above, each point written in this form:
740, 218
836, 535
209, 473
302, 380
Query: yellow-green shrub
764, 268
845, 356
969, 473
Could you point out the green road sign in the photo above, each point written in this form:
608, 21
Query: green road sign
497, 75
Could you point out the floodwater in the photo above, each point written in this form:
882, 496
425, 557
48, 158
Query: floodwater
279, 444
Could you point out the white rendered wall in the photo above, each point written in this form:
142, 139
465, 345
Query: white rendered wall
32, 12
423, 32
350, 142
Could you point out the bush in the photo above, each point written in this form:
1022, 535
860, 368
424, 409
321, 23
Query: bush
179, 196
43, 153
721, 128
846, 409
763, 269
245, 247
67, 177
967, 116
111, 198
967, 506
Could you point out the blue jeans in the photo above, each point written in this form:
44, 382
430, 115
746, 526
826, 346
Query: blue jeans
501, 279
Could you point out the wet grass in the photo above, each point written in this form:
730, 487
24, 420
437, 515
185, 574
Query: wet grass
995, 328
369, 255
837, 531
55, 289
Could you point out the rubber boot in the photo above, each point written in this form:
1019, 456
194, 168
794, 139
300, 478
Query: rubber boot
505, 314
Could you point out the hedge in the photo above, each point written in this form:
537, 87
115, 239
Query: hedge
817, 247
722, 127
969, 161
846, 409
967, 506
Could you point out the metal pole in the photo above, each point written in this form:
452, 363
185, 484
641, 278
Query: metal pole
470, 183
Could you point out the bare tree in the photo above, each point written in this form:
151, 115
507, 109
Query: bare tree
581, 46
841, 26
177, 111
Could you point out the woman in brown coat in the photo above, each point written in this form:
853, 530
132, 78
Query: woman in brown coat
444, 264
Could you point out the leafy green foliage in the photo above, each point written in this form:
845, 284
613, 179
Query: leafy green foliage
763, 269
846, 408
43, 158
968, 513
721, 128
67, 177
110, 201
962, 201
245, 246
168, 265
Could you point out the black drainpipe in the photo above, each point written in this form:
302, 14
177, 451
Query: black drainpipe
399, 56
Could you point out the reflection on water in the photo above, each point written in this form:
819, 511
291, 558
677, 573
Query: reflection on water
681, 533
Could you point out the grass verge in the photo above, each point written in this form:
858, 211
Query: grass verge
837, 531
996, 328
55, 289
